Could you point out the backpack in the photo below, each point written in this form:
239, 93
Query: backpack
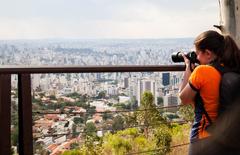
229, 90
225, 131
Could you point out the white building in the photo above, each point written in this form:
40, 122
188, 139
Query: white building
171, 100
45, 84
124, 99
133, 86
126, 82
46, 141
67, 90
60, 139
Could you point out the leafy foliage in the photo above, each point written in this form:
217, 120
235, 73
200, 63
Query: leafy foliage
152, 115
101, 95
160, 101
107, 115
90, 129
187, 112
78, 120
163, 138
133, 140
73, 152
180, 135
118, 123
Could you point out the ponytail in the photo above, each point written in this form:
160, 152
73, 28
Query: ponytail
231, 53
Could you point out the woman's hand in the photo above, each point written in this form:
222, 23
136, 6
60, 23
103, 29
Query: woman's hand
189, 66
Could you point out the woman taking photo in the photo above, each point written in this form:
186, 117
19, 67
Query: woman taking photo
201, 87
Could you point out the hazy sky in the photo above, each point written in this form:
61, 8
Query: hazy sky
37, 19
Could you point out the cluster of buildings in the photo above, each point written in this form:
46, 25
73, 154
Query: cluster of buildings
123, 86
56, 133
131, 85
52, 132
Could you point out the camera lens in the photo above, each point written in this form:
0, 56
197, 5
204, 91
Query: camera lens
177, 57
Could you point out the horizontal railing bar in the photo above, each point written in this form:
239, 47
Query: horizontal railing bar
88, 69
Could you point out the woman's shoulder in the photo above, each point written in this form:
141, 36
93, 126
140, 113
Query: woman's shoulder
206, 69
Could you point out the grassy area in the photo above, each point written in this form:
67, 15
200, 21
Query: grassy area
180, 135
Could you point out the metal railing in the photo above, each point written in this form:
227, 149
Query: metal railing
25, 98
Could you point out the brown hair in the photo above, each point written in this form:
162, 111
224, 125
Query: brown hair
224, 47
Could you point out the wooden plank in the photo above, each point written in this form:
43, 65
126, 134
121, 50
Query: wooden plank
25, 115
5, 114
89, 69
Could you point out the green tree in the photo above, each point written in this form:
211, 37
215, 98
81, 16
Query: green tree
74, 95
160, 101
90, 129
101, 95
134, 103
52, 97
118, 123
180, 135
78, 120
187, 112
74, 128
163, 138
74, 146
73, 152
14, 136
41, 94
149, 114
131, 119
126, 141
91, 110
39, 149
107, 115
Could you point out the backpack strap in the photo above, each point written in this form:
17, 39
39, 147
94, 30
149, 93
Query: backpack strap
219, 67
223, 69
198, 98
199, 102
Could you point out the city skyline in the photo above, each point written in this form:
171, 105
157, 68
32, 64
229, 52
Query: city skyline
106, 19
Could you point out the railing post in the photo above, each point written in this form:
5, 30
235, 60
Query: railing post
5, 114
25, 115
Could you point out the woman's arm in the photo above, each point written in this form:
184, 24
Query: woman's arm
186, 93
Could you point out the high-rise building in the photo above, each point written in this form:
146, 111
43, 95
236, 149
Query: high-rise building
146, 85
98, 76
171, 100
133, 86
165, 79
175, 80
125, 82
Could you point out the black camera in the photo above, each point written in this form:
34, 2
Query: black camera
192, 56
